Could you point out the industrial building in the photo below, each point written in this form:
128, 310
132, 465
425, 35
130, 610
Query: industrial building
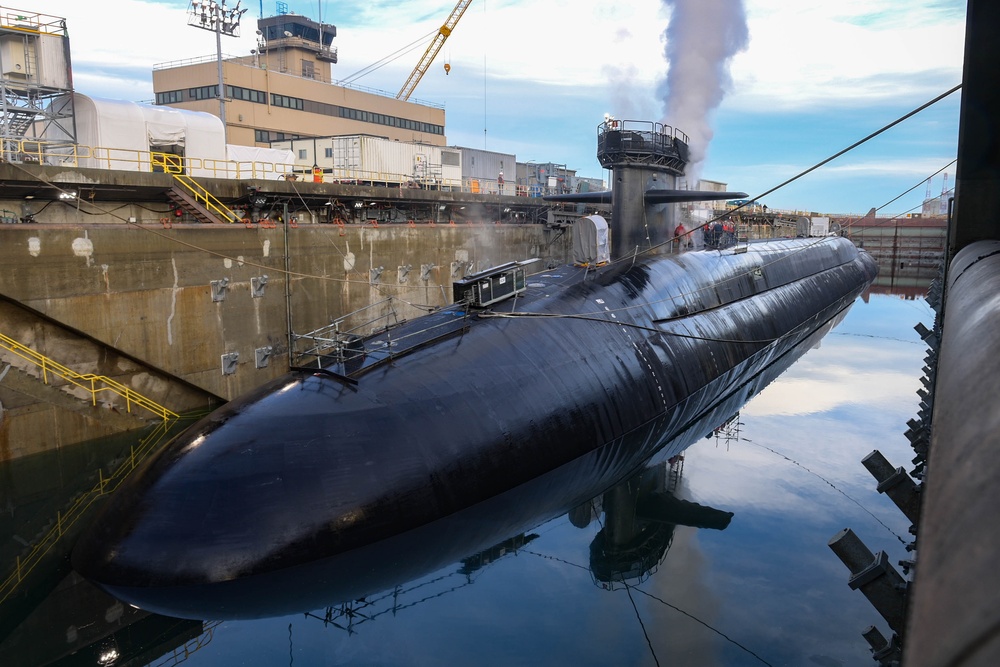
288, 82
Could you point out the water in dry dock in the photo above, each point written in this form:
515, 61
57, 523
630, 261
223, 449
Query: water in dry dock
653, 572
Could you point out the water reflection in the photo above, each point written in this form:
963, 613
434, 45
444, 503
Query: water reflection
761, 589
639, 518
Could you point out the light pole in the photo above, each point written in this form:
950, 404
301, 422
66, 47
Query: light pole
222, 20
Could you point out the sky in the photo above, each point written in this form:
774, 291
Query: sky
765, 89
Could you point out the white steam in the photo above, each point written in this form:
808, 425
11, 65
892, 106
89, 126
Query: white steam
701, 39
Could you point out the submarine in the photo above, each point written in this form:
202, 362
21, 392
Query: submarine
408, 435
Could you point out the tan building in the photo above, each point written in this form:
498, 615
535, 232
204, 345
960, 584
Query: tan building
285, 90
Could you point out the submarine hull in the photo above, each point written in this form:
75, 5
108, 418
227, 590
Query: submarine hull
579, 380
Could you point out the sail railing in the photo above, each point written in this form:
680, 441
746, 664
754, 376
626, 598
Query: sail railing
89, 382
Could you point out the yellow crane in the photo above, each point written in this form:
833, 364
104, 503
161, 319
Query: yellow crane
432, 50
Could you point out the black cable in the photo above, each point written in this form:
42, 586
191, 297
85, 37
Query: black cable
823, 162
917, 185
628, 589
859, 142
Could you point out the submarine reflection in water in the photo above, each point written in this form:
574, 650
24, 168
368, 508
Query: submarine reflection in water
322, 574
638, 517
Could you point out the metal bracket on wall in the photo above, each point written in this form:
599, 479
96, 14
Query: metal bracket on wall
257, 286
425, 271
219, 288
263, 355
375, 276
402, 273
229, 362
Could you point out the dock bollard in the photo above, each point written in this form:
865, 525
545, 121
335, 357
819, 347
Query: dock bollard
874, 577
896, 484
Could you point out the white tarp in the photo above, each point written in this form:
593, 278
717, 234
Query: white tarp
590, 241
117, 134
257, 162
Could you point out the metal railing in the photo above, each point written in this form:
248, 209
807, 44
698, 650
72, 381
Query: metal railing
180, 654
93, 384
79, 156
205, 198
33, 151
66, 519
27, 21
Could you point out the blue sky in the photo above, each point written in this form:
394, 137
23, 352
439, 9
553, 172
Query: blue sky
535, 79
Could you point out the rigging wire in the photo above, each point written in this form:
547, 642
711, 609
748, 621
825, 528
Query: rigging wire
918, 185
859, 142
828, 482
820, 163
395, 55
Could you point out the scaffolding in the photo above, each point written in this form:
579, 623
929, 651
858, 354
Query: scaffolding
35, 73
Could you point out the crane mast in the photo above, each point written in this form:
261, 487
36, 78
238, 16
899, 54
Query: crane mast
432, 50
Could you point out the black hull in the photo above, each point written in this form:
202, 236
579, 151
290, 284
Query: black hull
311, 478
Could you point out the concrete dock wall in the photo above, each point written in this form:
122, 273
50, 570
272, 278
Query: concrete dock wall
179, 299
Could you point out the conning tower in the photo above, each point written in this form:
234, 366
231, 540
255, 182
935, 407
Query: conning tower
646, 158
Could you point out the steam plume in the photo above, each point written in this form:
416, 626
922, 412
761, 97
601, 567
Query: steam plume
701, 38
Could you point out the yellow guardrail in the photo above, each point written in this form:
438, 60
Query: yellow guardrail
94, 384
204, 197
33, 151
63, 154
65, 520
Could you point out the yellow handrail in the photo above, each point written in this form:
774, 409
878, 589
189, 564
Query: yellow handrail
65, 520
88, 381
205, 198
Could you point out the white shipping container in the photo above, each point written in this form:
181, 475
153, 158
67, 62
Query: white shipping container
366, 159
477, 163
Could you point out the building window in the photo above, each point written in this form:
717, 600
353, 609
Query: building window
246, 94
286, 101
302, 154
328, 152
308, 71
204, 93
170, 97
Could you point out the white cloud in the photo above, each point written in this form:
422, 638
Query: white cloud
849, 52
801, 54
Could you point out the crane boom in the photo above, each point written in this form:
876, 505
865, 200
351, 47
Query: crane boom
432, 50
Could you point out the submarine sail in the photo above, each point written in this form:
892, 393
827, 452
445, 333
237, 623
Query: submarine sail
409, 426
